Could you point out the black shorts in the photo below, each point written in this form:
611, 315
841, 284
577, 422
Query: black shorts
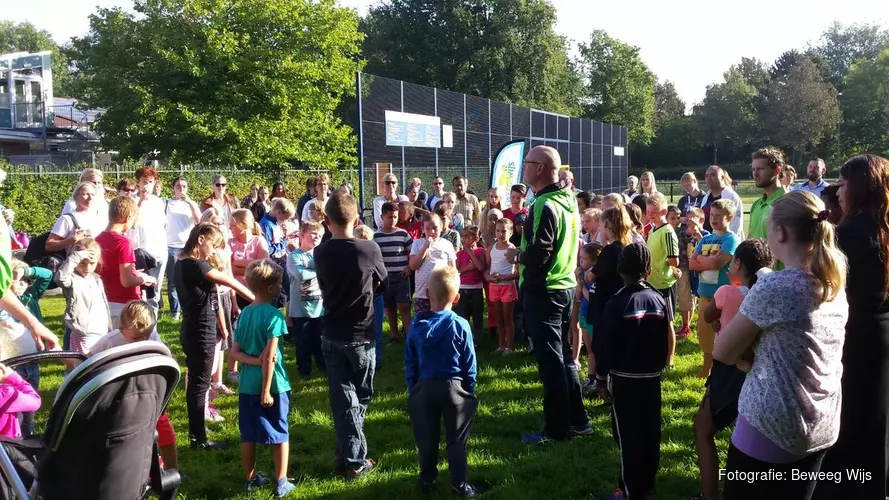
671, 297
398, 291
724, 389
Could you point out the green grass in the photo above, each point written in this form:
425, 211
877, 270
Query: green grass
509, 393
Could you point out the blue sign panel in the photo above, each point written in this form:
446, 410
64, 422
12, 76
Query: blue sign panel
410, 130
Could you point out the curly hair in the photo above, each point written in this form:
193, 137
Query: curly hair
773, 155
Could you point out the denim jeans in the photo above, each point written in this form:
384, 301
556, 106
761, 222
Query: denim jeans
30, 372
547, 318
307, 338
172, 294
350, 373
379, 314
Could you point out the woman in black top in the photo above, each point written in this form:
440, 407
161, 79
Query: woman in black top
617, 228
196, 280
863, 235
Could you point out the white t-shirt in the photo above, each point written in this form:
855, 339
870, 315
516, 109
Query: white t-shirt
308, 206
179, 222
99, 209
116, 339
150, 233
378, 207
65, 227
14, 337
440, 254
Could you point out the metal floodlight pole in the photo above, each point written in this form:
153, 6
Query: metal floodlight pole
360, 143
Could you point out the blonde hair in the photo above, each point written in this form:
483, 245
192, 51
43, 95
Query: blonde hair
617, 219
122, 208
614, 199
726, 206
695, 212
444, 284
688, 177
309, 225
209, 213
206, 230
363, 232
89, 174
650, 176
16, 265
138, 316
244, 218
91, 245
283, 206
802, 215
657, 200
593, 213
262, 274
449, 194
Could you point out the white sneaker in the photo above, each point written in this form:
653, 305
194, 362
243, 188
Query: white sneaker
212, 415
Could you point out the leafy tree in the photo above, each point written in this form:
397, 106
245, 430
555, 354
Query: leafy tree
506, 50
726, 115
619, 87
248, 82
802, 109
866, 106
841, 45
755, 72
25, 37
667, 104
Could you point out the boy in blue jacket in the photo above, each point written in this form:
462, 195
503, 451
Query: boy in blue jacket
439, 364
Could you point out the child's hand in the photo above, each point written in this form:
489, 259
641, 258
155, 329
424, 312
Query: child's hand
267, 400
588, 276
406, 272
717, 325
677, 273
603, 392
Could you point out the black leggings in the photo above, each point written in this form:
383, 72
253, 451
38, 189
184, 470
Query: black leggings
199, 362
759, 479
472, 303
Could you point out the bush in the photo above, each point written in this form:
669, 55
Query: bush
38, 198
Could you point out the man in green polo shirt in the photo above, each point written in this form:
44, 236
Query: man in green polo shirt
767, 166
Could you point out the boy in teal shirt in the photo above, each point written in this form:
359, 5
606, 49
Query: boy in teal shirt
713, 257
264, 400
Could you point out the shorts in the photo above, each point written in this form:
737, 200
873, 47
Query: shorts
586, 327
398, 291
686, 297
670, 298
503, 292
706, 335
421, 305
262, 425
166, 436
724, 390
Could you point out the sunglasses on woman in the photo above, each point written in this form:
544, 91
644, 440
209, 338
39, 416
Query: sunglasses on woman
221, 184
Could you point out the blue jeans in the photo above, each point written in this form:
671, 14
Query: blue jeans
172, 294
547, 319
307, 337
31, 373
379, 313
350, 374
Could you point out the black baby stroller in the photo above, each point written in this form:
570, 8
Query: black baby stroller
100, 441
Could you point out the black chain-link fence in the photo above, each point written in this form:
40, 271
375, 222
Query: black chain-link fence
472, 129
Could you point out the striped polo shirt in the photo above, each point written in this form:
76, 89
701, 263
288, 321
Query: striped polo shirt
396, 249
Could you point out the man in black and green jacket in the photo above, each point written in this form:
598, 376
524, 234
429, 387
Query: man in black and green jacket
547, 260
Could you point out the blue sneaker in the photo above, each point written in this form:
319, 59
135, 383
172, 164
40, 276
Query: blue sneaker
580, 430
536, 438
284, 488
257, 481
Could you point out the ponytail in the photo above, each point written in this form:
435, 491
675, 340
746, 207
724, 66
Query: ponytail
257, 229
828, 261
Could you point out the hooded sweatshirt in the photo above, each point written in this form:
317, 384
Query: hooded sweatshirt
548, 256
439, 347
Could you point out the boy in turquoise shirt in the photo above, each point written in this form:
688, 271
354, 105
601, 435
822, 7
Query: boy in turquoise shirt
264, 400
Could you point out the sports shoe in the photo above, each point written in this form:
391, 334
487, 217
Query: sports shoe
683, 332
589, 387
233, 378
507, 352
580, 430
257, 481
208, 445
536, 438
466, 490
284, 487
359, 472
212, 415
212, 394
618, 495
222, 389
175, 317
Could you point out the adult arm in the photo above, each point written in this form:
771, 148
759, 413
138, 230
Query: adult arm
378, 211
44, 338
737, 224
55, 242
222, 278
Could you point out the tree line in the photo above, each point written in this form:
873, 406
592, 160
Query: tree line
260, 83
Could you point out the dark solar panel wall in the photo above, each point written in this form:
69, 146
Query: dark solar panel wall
480, 127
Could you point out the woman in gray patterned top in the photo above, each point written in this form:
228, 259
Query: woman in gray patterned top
794, 320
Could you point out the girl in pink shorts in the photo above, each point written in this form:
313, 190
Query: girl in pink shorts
501, 277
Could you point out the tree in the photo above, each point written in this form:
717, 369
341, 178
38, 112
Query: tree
866, 106
619, 87
25, 37
727, 113
506, 50
668, 105
803, 108
841, 45
247, 82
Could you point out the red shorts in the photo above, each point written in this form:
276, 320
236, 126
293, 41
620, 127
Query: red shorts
503, 292
166, 436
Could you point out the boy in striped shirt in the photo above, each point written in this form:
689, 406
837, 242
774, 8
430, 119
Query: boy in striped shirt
395, 245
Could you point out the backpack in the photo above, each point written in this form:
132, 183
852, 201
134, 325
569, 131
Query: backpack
37, 256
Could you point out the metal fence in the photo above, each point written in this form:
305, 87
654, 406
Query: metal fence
473, 130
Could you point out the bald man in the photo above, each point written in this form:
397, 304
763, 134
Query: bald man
547, 260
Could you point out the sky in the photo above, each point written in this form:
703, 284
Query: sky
689, 42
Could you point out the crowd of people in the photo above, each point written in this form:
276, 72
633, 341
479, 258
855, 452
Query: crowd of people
792, 320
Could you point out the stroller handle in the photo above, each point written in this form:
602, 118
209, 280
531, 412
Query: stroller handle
41, 356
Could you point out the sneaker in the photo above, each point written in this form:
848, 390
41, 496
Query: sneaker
233, 378
536, 438
618, 495
213, 416
257, 481
222, 389
683, 332
466, 490
589, 386
175, 317
212, 394
580, 430
284, 488
507, 352
359, 472
208, 445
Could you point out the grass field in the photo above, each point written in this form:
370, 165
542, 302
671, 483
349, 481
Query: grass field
510, 403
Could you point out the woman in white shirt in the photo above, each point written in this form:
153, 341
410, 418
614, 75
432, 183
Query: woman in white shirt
95, 177
182, 215
78, 224
322, 184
